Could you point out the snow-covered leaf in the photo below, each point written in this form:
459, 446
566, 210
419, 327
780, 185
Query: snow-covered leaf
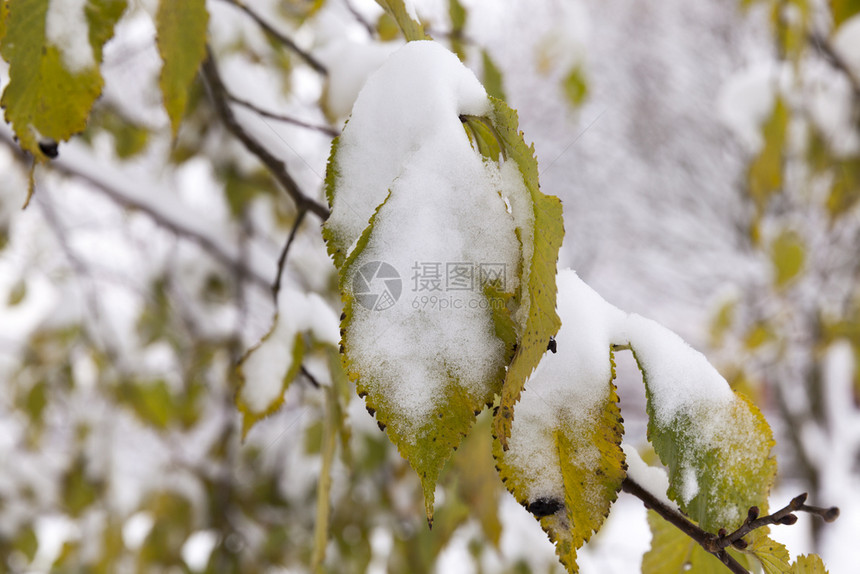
182, 44
404, 14
715, 443
541, 235
54, 76
808, 564
564, 462
268, 368
432, 286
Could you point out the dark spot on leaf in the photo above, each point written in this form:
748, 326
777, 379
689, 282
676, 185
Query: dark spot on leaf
441, 415
371, 410
544, 506
477, 412
380, 425
343, 316
49, 148
495, 411
552, 345
362, 394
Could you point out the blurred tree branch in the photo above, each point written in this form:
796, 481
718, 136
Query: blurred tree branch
221, 99
278, 36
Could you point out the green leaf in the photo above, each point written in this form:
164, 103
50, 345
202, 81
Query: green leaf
458, 15
575, 86
493, 81
79, 490
811, 564
540, 244
4, 12
842, 10
411, 28
102, 16
26, 542
773, 556
787, 253
44, 98
765, 172
152, 402
673, 552
181, 42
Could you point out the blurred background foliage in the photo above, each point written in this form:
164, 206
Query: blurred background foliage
709, 161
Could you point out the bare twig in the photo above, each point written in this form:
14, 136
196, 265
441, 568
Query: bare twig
280, 37
282, 260
718, 544
220, 98
371, 31
311, 379
173, 224
329, 131
705, 539
833, 57
784, 515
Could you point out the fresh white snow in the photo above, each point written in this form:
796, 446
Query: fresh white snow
66, 29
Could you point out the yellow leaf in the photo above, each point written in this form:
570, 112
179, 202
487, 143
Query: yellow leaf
539, 272
773, 556
765, 172
181, 42
673, 552
411, 27
787, 254
811, 564
45, 100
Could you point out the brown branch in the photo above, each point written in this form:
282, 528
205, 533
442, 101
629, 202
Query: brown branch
329, 131
718, 544
311, 379
282, 260
163, 220
784, 515
833, 57
286, 41
705, 539
220, 98
371, 31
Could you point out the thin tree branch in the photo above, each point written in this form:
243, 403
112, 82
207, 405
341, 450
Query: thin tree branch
220, 98
282, 260
718, 544
833, 57
329, 131
784, 515
311, 379
164, 219
705, 539
371, 31
268, 29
